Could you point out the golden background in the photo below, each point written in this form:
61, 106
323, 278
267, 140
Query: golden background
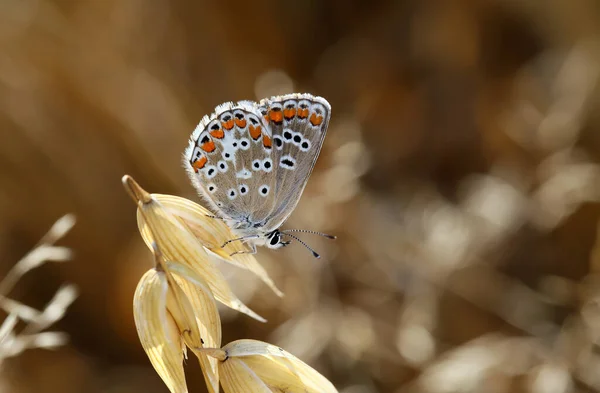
460, 174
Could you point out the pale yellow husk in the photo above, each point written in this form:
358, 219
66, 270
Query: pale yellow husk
158, 331
182, 313
213, 233
188, 307
177, 243
236, 377
278, 369
207, 320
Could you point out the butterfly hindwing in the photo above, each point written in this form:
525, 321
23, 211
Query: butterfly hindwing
255, 167
220, 158
251, 161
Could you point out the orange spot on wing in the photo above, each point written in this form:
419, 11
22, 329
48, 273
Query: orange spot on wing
267, 141
316, 120
303, 113
199, 163
276, 116
219, 134
289, 113
228, 125
266, 118
255, 132
240, 123
208, 147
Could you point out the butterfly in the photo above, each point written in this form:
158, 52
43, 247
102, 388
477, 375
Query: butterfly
251, 161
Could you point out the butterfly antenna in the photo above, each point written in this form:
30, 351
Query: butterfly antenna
315, 254
311, 232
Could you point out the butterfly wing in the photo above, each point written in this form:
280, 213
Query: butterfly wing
251, 161
228, 160
298, 124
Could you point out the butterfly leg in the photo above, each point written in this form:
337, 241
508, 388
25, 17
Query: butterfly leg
252, 252
239, 238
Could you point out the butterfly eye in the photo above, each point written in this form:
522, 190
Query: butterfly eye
274, 240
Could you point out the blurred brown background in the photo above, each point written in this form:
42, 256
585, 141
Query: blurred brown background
459, 173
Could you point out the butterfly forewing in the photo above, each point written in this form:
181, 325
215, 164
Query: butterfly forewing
298, 125
251, 161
